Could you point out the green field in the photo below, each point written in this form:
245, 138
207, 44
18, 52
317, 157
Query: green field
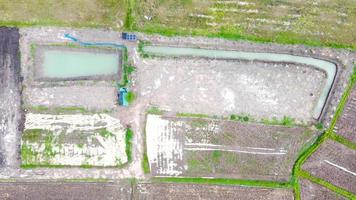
328, 23
77, 13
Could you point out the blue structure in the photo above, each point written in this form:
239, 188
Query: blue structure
128, 36
122, 94
119, 46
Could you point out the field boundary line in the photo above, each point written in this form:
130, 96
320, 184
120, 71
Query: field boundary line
223, 181
326, 184
342, 140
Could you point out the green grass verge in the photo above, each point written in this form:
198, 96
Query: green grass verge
128, 142
145, 164
193, 115
253, 183
343, 141
130, 97
155, 111
326, 184
281, 38
57, 110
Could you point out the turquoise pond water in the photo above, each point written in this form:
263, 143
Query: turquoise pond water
328, 67
72, 64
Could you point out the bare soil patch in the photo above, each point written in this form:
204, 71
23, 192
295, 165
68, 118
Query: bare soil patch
334, 163
10, 100
312, 191
224, 87
220, 148
177, 191
91, 97
68, 191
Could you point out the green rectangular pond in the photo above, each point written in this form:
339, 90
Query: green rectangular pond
76, 63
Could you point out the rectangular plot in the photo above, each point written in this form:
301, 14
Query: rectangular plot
178, 191
64, 63
225, 149
10, 99
68, 191
91, 97
73, 140
224, 87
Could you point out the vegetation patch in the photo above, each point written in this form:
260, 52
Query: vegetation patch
130, 97
253, 183
128, 142
74, 140
154, 111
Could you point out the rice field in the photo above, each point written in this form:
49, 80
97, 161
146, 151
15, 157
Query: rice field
328, 22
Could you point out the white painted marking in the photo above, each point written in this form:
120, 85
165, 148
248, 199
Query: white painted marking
238, 151
216, 145
339, 167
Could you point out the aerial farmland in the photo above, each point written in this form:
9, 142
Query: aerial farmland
177, 100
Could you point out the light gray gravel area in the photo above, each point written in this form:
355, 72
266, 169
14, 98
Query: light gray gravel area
90, 97
344, 59
225, 87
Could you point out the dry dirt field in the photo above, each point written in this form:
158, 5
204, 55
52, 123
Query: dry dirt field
219, 148
334, 163
224, 87
67, 191
311, 191
178, 191
346, 125
89, 96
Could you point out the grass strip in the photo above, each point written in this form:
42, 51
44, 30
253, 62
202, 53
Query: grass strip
192, 115
343, 141
326, 184
145, 164
242, 182
128, 141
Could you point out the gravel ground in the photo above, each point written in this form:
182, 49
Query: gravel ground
67, 191
224, 87
334, 163
173, 191
312, 191
343, 58
10, 100
91, 97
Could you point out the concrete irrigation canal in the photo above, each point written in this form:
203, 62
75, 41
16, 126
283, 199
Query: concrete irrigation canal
328, 67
